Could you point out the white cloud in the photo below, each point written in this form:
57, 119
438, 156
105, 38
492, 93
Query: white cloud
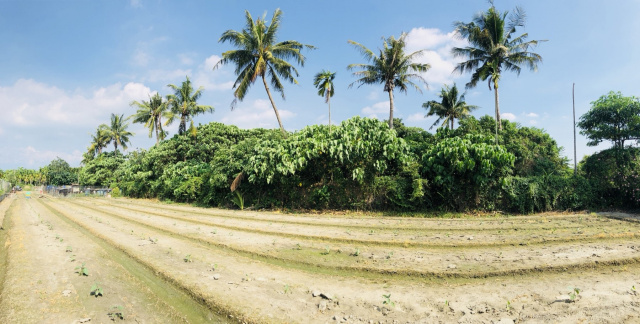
170, 76
532, 115
33, 104
208, 78
34, 157
186, 58
377, 110
373, 95
258, 113
437, 47
508, 116
417, 117
136, 3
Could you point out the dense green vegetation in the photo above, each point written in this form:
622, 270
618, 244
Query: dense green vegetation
360, 164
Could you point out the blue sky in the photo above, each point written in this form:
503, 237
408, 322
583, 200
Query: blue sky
66, 65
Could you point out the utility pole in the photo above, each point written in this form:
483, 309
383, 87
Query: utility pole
575, 160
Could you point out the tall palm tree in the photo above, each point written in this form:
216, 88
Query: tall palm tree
259, 55
100, 140
324, 82
493, 47
392, 67
150, 114
118, 133
449, 108
184, 103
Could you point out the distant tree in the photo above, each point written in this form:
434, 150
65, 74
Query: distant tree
450, 107
184, 103
150, 113
259, 55
493, 48
392, 68
118, 133
60, 173
612, 117
323, 81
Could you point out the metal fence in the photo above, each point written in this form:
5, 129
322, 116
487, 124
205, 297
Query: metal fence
64, 191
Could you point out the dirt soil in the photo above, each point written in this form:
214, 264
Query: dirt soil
172, 263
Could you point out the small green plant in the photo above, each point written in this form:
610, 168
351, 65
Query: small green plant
389, 255
573, 295
356, 253
446, 303
326, 251
387, 300
298, 247
238, 200
371, 232
116, 313
187, 258
73, 258
82, 270
508, 308
96, 290
69, 249
633, 290
287, 289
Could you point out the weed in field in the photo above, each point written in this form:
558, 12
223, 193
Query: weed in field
633, 290
96, 290
57, 237
187, 258
153, 240
69, 249
116, 313
73, 258
214, 232
508, 308
356, 253
387, 300
389, 255
298, 247
326, 251
287, 289
371, 232
82, 270
238, 200
573, 295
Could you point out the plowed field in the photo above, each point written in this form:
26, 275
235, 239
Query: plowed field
97, 260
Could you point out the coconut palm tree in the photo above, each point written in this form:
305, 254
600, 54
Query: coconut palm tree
150, 113
324, 82
393, 68
100, 140
450, 107
260, 55
118, 133
493, 47
184, 103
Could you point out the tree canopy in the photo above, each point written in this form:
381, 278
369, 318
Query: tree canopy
259, 54
392, 68
613, 117
493, 47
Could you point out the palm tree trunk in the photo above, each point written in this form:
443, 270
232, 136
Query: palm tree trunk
498, 120
390, 108
329, 102
452, 123
273, 104
183, 125
157, 137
